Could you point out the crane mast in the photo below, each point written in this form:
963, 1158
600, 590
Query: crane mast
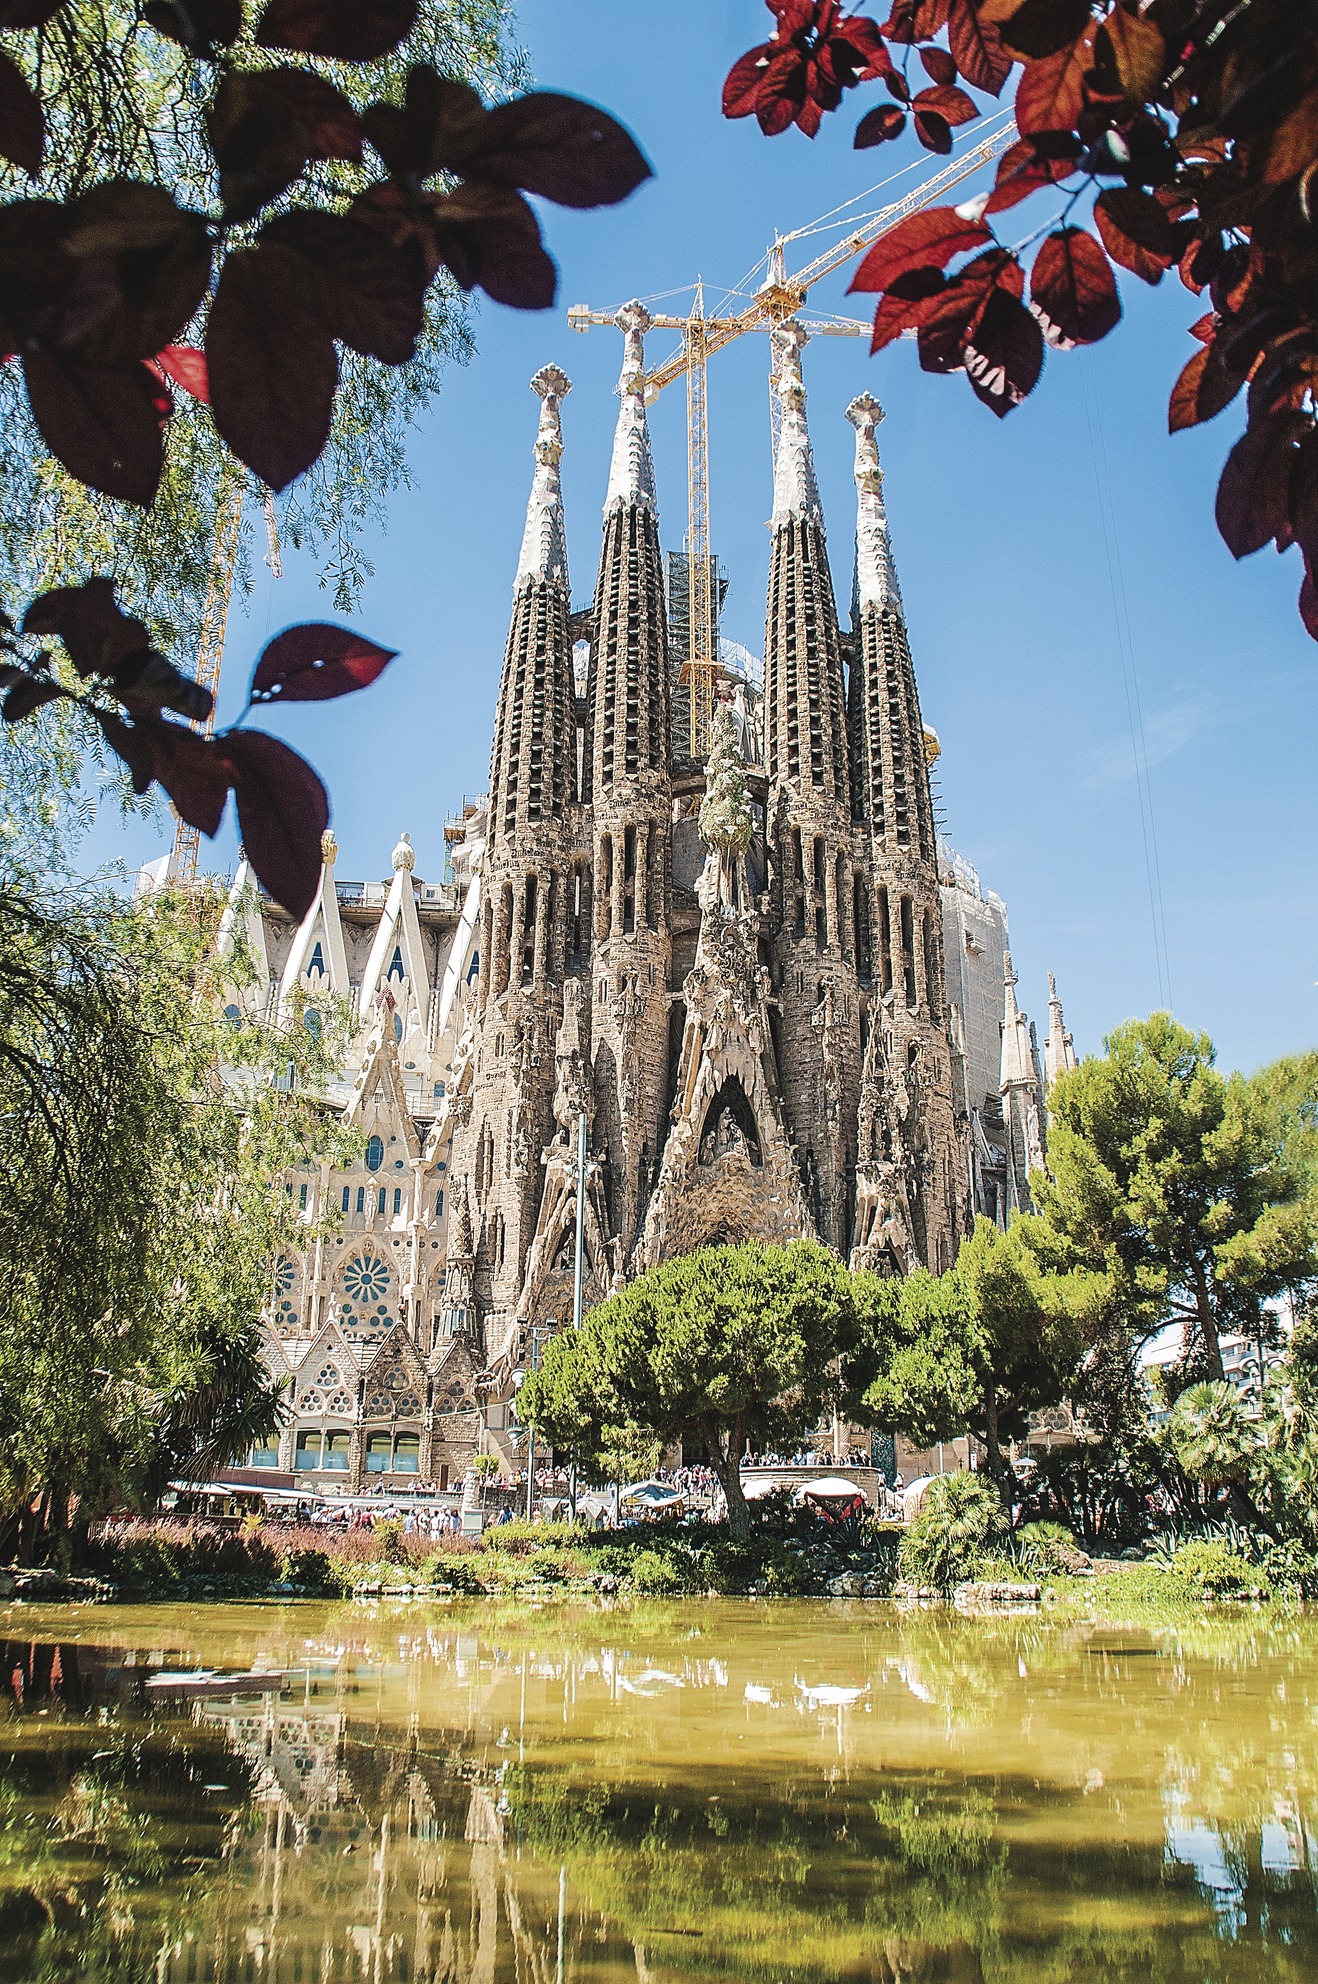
210, 648
778, 299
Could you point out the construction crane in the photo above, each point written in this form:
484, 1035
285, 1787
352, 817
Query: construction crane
778, 299
214, 621
210, 648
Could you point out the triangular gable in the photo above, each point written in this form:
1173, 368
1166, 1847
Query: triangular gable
398, 931
242, 924
396, 1357
381, 1070
320, 925
329, 1350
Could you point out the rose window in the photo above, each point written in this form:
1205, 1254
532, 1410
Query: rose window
366, 1278
285, 1275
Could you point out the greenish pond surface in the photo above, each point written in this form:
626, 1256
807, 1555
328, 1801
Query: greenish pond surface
723, 1790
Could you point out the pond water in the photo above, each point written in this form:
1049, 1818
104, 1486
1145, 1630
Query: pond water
720, 1790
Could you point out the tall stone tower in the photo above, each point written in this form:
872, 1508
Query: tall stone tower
812, 868
528, 876
627, 790
906, 1102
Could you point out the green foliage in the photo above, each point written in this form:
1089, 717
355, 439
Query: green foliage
1213, 1570
1046, 1549
981, 1347
656, 1575
724, 1346
140, 1132
1169, 1189
1213, 1441
960, 1522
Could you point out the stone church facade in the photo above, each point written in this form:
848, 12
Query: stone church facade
736, 973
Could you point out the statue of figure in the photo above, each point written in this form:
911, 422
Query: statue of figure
726, 821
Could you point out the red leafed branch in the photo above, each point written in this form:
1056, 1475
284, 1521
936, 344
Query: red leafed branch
131, 690
1161, 134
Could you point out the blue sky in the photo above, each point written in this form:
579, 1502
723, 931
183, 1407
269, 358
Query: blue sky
1036, 630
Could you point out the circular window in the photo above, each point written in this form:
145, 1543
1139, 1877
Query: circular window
233, 1015
366, 1278
374, 1154
285, 1274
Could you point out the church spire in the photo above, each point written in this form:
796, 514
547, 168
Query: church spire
631, 469
795, 490
544, 543
805, 723
1059, 1054
876, 574
1017, 1070
533, 764
889, 767
627, 697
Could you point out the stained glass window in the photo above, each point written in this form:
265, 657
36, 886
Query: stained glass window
366, 1278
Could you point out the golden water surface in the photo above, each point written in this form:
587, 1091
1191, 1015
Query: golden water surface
724, 1789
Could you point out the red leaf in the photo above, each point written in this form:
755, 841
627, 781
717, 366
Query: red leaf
557, 146
194, 770
490, 237
141, 268
933, 131
100, 421
915, 20
1204, 387
367, 292
264, 126
924, 240
886, 120
1021, 171
1309, 607
311, 663
950, 103
282, 813
22, 126
350, 30
272, 364
29, 693
741, 86
1072, 286
1004, 355
912, 302
938, 65
1135, 231
198, 24
1253, 495
977, 46
88, 619
1051, 93
947, 320
186, 366
1043, 27
1302, 502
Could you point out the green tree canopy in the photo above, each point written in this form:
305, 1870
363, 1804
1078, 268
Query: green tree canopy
977, 1349
1169, 1186
142, 1140
726, 1346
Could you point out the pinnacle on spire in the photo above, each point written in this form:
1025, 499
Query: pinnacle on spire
631, 471
1017, 1068
1059, 1053
795, 491
544, 541
876, 574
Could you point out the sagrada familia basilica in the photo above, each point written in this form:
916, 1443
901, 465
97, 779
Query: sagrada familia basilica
778, 1000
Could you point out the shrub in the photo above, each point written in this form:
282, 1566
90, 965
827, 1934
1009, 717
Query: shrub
1213, 1569
655, 1575
309, 1568
1048, 1549
960, 1524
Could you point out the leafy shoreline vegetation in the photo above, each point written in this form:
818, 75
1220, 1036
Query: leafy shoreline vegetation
786, 1556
